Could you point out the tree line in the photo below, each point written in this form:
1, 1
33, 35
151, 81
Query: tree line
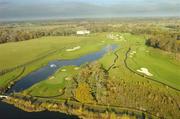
12, 35
165, 37
165, 41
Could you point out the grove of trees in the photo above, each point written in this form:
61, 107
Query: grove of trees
163, 33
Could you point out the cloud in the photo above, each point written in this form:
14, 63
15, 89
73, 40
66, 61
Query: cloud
4, 3
26, 9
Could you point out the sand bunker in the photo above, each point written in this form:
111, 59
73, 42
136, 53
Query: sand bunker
52, 77
67, 78
116, 37
132, 53
145, 71
53, 65
73, 49
63, 70
113, 37
76, 68
60, 90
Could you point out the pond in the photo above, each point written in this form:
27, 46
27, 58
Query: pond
10, 112
47, 71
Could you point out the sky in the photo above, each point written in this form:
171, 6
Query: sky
53, 9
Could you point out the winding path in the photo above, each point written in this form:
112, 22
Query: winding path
115, 60
126, 65
148, 78
5, 71
113, 107
101, 106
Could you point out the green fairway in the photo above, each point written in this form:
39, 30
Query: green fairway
162, 67
120, 86
54, 85
40, 51
149, 58
22, 52
75, 59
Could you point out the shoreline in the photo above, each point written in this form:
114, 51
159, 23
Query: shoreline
73, 108
5, 89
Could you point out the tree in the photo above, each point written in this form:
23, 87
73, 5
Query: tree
83, 93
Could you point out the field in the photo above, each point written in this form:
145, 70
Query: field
55, 84
41, 51
16, 53
124, 87
159, 64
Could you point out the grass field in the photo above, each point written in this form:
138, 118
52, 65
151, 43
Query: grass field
26, 51
157, 64
127, 89
162, 67
19, 53
54, 84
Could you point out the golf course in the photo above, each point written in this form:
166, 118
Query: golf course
131, 71
89, 59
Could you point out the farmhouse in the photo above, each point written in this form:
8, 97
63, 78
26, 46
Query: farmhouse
83, 32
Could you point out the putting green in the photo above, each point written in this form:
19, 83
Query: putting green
53, 84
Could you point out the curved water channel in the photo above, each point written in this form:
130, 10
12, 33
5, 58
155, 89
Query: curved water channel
10, 112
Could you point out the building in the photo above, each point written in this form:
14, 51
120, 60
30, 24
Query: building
83, 32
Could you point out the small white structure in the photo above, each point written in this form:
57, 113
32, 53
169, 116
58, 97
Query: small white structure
83, 32
53, 65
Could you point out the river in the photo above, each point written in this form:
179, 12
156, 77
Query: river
10, 112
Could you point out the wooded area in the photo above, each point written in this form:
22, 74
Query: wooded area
165, 37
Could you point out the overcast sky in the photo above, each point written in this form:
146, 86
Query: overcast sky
47, 9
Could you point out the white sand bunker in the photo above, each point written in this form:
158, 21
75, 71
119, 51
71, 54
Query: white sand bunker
60, 90
73, 49
132, 53
53, 65
52, 77
68, 78
76, 68
145, 71
63, 70
130, 56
